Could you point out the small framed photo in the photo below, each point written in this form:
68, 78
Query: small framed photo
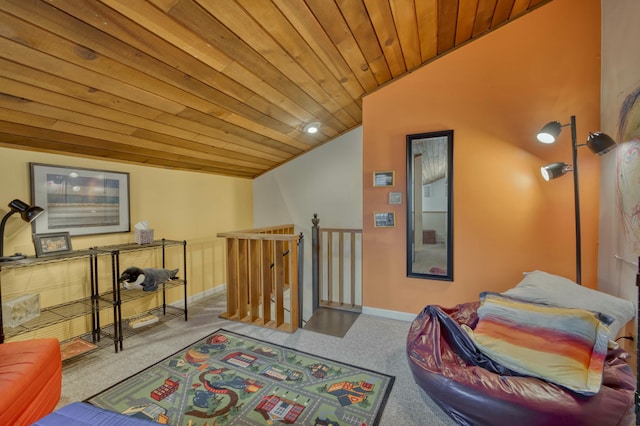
53, 243
395, 198
384, 179
384, 220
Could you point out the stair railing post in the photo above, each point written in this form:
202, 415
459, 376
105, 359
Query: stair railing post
300, 279
315, 253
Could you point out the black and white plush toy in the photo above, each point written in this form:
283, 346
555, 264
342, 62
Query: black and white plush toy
147, 279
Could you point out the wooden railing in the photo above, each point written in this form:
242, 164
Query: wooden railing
263, 274
342, 249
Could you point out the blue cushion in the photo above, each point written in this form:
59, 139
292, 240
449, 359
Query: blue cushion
83, 414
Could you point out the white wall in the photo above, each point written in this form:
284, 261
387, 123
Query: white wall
326, 181
620, 78
437, 199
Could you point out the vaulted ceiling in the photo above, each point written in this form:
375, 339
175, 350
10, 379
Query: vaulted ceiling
214, 86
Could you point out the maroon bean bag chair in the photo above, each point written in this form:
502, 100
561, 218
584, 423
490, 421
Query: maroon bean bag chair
474, 390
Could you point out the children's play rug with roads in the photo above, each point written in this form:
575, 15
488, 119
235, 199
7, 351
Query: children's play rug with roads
231, 379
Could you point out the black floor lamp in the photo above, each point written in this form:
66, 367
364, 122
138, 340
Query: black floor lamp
599, 143
28, 214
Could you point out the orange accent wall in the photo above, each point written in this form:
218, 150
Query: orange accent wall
495, 93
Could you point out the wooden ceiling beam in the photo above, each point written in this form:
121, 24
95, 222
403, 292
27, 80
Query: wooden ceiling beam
356, 17
18, 90
61, 131
78, 144
379, 11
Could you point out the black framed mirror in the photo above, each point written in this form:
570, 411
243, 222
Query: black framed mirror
430, 205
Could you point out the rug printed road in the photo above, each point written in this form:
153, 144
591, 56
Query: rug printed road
231, 379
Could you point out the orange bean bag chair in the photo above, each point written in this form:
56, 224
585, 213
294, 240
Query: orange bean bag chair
30, 380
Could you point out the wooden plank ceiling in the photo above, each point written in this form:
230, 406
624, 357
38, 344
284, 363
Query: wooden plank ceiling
214, 86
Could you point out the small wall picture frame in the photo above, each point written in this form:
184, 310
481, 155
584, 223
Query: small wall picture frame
395, 198
52, 243
384, 178
384, 219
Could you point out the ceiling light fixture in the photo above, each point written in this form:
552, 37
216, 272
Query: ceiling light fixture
599, 143
312, 127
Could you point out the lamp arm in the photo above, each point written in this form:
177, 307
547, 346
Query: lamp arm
2, 225
576, 193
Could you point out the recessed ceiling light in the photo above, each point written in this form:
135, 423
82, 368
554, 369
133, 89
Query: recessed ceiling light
312, 127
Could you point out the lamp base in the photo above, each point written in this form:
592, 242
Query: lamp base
16, 256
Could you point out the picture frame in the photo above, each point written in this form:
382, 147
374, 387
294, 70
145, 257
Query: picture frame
80, 201
395, 198
384, 219
52, 243
385, 178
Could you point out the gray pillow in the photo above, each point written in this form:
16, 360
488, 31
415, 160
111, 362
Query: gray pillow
542, 287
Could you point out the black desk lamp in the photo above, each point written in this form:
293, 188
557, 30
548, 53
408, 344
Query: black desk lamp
28, 214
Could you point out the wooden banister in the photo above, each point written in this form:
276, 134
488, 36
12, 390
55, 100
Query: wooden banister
263, 277
331, 288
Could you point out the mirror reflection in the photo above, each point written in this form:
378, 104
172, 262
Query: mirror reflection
429, 205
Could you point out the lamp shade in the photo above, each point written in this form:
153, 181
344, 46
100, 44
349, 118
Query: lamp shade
27, 212
549, 132
554, 170
600, 143
31, 214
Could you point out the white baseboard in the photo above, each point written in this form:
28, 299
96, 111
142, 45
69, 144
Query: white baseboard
195, 297
384, 313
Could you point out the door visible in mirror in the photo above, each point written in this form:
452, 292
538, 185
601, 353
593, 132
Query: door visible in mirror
430, 205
